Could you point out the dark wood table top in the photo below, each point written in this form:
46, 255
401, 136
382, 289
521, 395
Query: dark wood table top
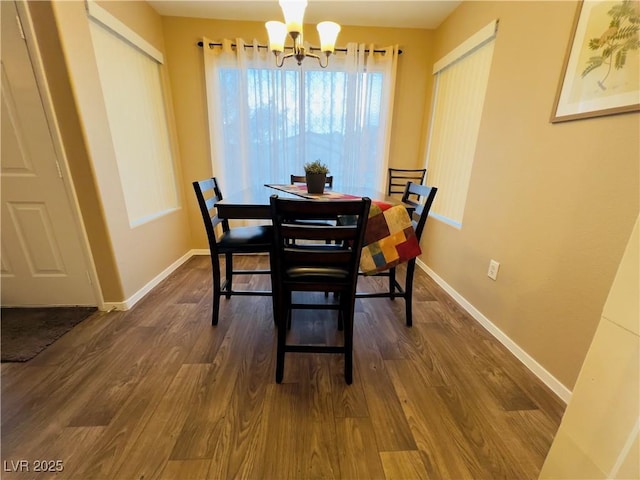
253, 203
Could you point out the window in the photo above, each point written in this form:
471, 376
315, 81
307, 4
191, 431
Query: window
131, 83
267, 122
459, 92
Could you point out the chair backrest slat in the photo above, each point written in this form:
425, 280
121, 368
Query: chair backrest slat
208, 195
211, 202
318, 256
312, 232
398, 178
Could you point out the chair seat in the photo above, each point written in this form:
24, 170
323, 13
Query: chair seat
249, 238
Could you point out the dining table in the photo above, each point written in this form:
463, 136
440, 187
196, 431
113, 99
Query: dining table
253, 203
389, 236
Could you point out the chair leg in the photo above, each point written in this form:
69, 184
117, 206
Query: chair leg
215, 314
392, 282
228, 266
348, 343
282, 313
279, 363
215, 273
275, 291
408, 292
407, 300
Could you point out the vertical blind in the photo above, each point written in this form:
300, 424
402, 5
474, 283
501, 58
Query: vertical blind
132, 89
459, 92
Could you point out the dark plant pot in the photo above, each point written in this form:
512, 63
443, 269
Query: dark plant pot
315, 182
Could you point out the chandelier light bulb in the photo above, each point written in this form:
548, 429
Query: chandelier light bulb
277, 35
293, 11
328, 32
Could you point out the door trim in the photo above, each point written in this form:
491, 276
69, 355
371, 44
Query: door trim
56, 136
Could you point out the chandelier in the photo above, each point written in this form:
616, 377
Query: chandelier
293, 11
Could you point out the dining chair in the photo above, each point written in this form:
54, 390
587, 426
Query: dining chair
303, 179
422, 201
240, 240
397, 179
315, 266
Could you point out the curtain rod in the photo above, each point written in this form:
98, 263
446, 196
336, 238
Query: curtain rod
250, 45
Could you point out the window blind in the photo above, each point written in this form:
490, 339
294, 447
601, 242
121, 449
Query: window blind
459, 92
132, 88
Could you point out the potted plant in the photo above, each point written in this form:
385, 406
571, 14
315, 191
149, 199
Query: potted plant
316, 173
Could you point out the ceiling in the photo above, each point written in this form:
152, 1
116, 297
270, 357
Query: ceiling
376, 13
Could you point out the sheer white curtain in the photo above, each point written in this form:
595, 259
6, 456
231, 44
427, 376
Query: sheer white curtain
266, 122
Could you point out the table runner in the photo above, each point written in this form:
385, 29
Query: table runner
389, 238
301, 191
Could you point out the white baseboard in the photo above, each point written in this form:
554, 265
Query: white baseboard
136, 297
538, 370
131, 301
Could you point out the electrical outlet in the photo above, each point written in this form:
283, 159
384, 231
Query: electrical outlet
493, 270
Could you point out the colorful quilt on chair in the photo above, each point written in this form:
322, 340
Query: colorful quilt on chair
389, 239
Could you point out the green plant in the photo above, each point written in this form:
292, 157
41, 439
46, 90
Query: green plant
620, 38
316, 167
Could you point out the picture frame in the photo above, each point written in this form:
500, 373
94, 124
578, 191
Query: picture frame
601, 70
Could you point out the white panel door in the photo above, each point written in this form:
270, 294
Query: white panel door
43, 261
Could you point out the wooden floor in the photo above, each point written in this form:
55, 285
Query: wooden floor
157, 392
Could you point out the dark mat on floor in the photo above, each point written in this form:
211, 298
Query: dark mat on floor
25, 332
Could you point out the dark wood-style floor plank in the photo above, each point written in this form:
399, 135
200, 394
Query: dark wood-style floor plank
157, 392
391, 428
403, 465
149, 452
235, 453
358, 448
431, 422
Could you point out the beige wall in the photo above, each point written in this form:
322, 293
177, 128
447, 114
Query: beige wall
187, 79
598, 437
554, 204
143, 252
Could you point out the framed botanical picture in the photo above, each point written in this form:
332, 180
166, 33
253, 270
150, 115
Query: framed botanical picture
601, 74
